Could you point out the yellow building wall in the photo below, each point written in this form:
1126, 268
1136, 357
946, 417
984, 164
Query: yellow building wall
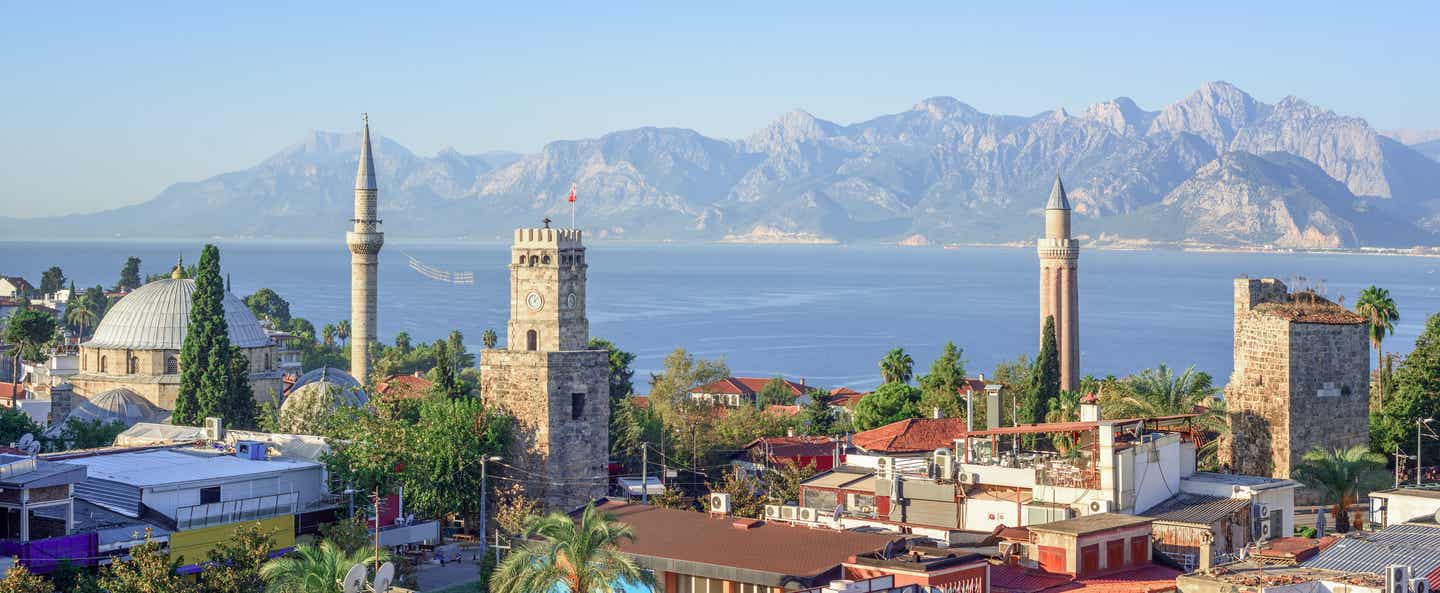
194, 545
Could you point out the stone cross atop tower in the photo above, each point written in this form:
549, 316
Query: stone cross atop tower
364, 240
1059, 292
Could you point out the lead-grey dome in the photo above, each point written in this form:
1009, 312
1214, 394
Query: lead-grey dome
333, 387
116, 405
154, 317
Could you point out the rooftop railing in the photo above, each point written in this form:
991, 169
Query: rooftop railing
234, 511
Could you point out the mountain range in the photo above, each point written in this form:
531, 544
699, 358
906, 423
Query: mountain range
1217, 167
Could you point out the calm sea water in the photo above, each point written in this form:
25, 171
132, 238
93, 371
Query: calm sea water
825, 313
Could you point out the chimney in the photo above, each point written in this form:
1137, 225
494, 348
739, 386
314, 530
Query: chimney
936, 413
790, 432
982, 377
802, 382
418, 374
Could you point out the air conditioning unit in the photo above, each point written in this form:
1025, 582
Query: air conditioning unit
884, 468
1397, 578
1099, 506
967, 478
214, 429
867, 510
944, 469
806, 515
1419, 585
252, 450
772, 511
1263, 510
787, 512
720, 503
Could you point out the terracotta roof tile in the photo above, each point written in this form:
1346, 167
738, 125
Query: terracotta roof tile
799, 446
765, 547
912, 435
404, 387
1018, 579
745, 386
1146, 579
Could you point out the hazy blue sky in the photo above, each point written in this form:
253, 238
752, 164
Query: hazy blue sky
104, 104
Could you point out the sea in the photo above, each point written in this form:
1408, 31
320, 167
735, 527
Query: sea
822, 313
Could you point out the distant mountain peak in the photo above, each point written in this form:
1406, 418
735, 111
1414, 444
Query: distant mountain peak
944, 107
1120, 114
794, 126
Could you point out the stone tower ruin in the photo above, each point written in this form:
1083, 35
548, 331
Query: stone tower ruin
557, 390
1301, 378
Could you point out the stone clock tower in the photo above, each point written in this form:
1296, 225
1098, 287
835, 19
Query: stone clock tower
557, 390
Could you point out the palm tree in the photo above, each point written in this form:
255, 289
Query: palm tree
489, 339
897, 366
1376, 306
342, 330
1157, 392
312, 569
80, 312
1343, 475
576, 555
327, 333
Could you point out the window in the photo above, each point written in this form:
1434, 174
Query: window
102, 364
132, 366
534, 260
522, 259
267, 361
821, 500
172, 365
532, 340
692, 584
577, 406
209, 495
545, 260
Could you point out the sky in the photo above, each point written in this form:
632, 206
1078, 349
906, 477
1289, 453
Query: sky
105, 104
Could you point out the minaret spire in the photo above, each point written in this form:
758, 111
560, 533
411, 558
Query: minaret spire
364, 240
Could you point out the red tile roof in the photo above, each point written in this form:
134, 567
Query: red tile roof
404, 387
745, 386
1146, 579
640, 401
846, 397
774, 548
786, 411
1018, 579
912, 435
800, 446
8, 390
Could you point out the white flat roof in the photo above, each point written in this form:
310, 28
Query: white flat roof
1253, 482
160, 467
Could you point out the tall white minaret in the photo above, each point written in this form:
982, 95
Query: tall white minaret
1059, 293
365, 240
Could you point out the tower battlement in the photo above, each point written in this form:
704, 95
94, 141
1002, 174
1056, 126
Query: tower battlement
547, 237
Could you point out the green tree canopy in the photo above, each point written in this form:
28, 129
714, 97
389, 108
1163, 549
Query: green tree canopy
52, 280
489, 338
891, 402
28, 329
941, 388
817, 418
1416, 384
267, 305
621, 373
1045, 379
150, 569
129, 275
680, 372
776, 392
313, 568
1377, 307
897, 366
442, 460
234, 565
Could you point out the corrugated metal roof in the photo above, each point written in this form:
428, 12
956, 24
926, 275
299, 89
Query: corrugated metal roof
1196, 509
1417, 546
154, 317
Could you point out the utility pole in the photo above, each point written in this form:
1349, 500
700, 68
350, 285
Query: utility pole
376, 496
1419, 466
484, 497
645, 473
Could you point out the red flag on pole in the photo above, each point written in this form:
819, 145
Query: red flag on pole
572, 193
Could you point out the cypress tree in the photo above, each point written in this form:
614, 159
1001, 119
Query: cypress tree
1047, 370
444, 384
206, 372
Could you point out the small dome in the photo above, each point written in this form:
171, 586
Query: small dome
119, 404
331, 384
154, 317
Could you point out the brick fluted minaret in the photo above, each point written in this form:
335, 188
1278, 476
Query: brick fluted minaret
1059, 293
365, 240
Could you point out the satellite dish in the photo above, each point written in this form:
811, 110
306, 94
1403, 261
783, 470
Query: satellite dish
384, 577
28, 443
354, 580
1437, 515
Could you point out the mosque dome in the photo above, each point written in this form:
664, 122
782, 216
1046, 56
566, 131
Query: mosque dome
328, 383
119, 404
154, 317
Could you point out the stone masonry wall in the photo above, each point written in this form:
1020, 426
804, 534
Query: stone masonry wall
562, 460
1257, 398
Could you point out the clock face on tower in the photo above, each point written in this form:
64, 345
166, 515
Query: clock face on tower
534, 301
572, 300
